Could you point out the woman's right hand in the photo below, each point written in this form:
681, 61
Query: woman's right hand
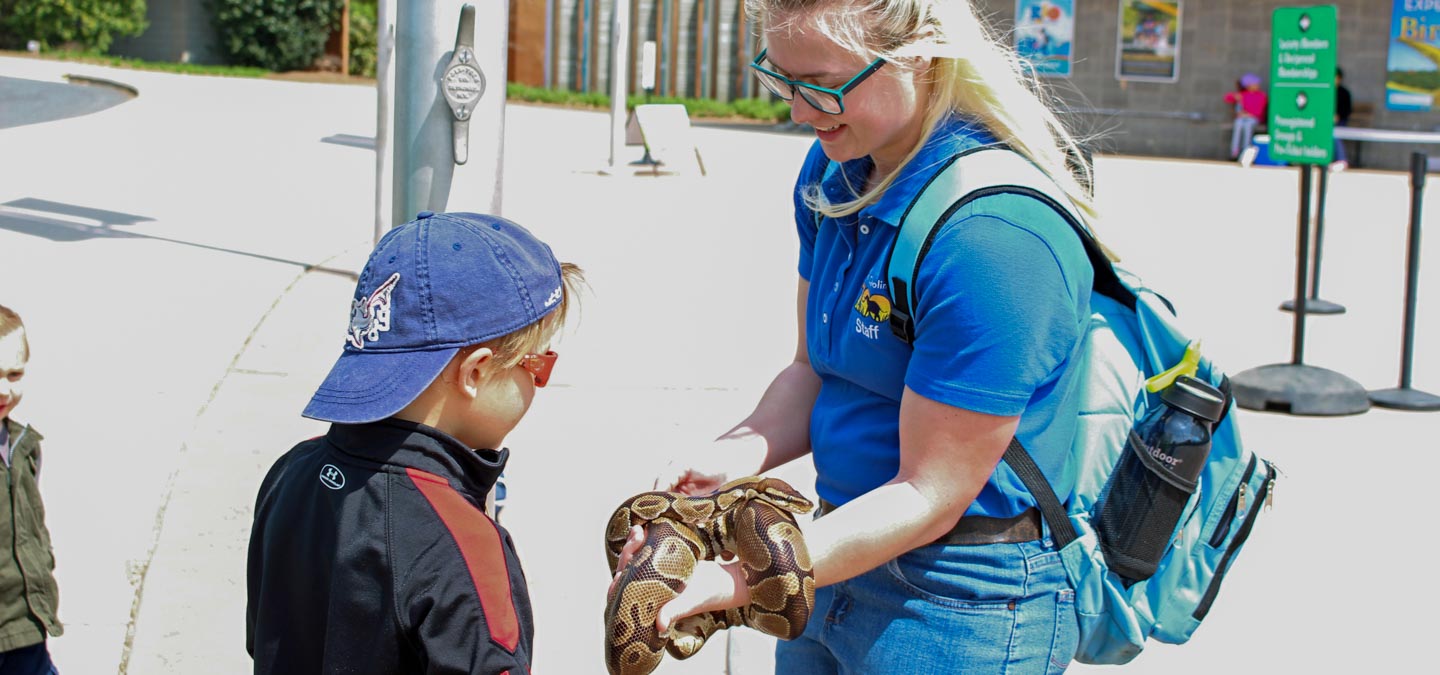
704, 469
680, 475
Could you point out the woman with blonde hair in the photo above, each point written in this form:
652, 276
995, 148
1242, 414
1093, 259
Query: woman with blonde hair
929, 554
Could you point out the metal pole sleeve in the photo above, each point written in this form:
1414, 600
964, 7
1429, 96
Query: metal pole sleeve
424, 164
619, 85
425, 167
1419, 162
1302, 260
384, 116
480, 184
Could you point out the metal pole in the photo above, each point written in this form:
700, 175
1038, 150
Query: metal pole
1404, 397
1418, 166
482, 180
619, 69
425, 140
1302, 259
384, 117
1314, 305
1319, 232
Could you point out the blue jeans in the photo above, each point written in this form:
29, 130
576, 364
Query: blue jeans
996, 608
32, 660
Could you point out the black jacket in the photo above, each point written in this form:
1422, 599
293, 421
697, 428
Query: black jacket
371, 553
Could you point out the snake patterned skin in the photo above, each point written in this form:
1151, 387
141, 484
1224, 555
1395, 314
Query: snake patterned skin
750, 518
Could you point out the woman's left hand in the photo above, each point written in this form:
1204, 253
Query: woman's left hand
712, 586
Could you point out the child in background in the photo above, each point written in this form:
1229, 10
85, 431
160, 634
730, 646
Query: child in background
1251, 102
28, 594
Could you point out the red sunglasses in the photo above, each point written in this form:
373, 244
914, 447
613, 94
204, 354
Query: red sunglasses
540, 366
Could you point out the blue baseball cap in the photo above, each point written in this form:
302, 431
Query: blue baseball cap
431, 286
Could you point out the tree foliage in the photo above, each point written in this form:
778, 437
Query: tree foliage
84, 25
363, 35
276, 35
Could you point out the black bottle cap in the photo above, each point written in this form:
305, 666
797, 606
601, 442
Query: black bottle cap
1195, 397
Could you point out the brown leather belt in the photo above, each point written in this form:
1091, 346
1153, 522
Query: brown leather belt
977, 530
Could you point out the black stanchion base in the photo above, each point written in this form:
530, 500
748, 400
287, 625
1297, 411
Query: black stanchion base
1299, 390
1405, 398
1315, 306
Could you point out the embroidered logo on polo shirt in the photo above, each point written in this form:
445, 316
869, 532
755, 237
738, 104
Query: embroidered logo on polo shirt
873, 306
370, 315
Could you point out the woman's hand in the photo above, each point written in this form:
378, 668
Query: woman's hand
704, 469
632, 545
681, 476
712, 586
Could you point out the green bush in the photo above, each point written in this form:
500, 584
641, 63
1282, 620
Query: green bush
762, 109
89, 25
276, 35
750, 108
363, 36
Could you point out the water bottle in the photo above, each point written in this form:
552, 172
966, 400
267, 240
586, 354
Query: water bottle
1158, 472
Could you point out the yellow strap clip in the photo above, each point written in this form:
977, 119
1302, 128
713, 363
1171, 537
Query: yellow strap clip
1189, 365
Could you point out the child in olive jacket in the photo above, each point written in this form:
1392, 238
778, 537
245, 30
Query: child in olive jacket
28, 594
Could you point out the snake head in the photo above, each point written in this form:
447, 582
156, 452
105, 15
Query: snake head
779, 494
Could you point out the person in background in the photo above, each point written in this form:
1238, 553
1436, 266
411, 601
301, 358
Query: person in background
1250, 102
1344, 106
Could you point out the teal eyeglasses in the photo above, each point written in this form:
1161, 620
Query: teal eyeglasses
824, 99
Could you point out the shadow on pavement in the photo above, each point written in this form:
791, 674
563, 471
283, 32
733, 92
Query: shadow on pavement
351, 140
25, 102
52, 220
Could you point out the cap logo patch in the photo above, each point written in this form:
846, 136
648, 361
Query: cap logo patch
370, 315
554, 297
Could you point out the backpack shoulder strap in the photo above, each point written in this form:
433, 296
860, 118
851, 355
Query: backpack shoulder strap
973, 174
966, 177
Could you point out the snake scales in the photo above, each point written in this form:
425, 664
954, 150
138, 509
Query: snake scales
751, 518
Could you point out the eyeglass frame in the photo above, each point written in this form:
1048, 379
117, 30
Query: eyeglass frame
796, 86
539, 366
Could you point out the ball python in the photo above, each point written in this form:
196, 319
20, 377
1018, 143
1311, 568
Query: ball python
752, 519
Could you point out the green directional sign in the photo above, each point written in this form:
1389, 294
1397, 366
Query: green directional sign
1302, 84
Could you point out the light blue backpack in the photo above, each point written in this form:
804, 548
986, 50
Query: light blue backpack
1132, 338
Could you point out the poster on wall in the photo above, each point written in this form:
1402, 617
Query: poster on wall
1044, 32
1412, 70
1148, 45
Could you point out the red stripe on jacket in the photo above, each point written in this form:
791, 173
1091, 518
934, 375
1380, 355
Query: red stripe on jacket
484, 554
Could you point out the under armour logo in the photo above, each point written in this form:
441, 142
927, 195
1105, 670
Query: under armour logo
332, 478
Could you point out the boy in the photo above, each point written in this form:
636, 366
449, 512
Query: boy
371, 551
28, 594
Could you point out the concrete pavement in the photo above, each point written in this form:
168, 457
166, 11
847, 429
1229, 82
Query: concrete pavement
181, 260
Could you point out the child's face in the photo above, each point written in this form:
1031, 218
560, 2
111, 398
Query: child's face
12, 370
499, 402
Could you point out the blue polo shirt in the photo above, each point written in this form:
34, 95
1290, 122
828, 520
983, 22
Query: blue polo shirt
1004, 300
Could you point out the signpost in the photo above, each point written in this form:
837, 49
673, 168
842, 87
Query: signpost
1302, 111
1302, 114
1302, 85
